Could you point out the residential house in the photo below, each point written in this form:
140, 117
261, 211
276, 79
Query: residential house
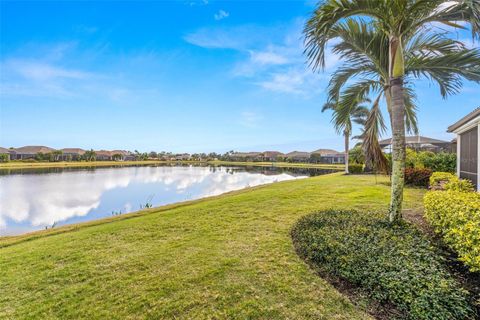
104, 155
272, 156
246, 156
328, 156
122, 155
467, 131
72, 154
420, 143
298, 156
182, 157
28, 152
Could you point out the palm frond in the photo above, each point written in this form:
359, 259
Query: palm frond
318, 28
373, 128
447, 69
411, 121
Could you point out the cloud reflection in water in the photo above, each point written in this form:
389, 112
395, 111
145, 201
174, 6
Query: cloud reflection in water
33, 201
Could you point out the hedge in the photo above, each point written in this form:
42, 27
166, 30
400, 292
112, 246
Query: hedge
456, 216
417, 177
390, 264
355, 168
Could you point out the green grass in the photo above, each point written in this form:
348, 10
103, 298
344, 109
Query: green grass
229, 256
65, 164
280, 164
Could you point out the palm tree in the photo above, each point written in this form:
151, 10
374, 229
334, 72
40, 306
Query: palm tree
400, 21
343, 115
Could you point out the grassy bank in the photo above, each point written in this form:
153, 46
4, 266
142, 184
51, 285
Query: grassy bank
64, 164
280, 164
229, 256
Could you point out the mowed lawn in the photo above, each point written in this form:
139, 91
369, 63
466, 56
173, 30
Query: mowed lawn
226, 257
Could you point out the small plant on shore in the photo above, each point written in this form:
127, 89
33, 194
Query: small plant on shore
148, 204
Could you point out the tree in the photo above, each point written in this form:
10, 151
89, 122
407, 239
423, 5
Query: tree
343, 115
401, 21
90, 155
57, 155
4, 157
356, 155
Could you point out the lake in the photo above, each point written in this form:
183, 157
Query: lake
34, 199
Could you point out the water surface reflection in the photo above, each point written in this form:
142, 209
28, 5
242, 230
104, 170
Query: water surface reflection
32, 199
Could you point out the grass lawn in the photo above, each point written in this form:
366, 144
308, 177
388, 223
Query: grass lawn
65, 164
229, 256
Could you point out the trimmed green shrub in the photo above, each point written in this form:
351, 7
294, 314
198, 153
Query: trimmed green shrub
391, 264
456, 216
438, 180
461, 185
417, 177
355, 168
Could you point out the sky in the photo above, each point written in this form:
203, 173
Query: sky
179, 75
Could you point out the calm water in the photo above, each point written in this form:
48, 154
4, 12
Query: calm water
33, 199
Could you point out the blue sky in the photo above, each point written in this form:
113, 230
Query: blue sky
181, 76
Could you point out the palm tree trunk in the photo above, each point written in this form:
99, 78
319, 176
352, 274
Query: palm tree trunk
398, 129
347, 138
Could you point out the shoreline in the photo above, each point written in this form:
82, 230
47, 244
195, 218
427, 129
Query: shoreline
64, 164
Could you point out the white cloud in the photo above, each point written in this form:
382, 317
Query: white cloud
221, 14
273, 55
250, 119
27, 77
41, 71
242, 38
288, 82
267, 57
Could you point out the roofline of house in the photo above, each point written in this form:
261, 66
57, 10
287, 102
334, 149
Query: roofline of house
472, 115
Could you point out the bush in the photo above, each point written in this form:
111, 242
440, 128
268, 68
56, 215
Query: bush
390, 263
417, 177
356, 155
443, 161
439, 179
456, 216
355, 168
460, 185
448, 181
435, 161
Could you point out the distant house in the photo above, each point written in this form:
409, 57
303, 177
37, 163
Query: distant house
420, 143
72, 154
246, 156
328, 156
122, 155
298, 156
272, 156
182, 157
104, 155
6, 152
467, 130
28, 152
